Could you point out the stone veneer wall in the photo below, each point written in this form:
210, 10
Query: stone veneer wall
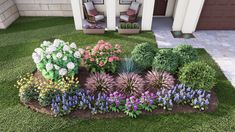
8, 13
44, 7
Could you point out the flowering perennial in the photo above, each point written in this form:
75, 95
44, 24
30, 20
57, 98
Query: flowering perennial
103, 57
58, 59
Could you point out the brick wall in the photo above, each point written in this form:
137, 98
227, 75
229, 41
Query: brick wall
8, 13
44, 7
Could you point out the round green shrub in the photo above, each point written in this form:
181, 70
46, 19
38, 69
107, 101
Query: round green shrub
143, 55
198, 75
186, 54
165, 60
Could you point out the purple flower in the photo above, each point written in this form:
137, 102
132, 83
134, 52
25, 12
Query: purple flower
135, 107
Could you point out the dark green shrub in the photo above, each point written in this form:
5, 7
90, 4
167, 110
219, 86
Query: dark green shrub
198, 75
186, 54
129, 26
165, 60
143, 55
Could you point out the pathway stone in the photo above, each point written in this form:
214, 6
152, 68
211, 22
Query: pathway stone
218, 43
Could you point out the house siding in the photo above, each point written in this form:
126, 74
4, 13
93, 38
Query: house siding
44, 7
8, 13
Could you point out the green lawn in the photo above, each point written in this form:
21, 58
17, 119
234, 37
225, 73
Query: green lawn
18, 42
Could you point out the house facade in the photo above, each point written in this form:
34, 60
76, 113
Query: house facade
188, 15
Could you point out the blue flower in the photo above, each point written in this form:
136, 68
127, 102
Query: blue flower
207, 102
65, 108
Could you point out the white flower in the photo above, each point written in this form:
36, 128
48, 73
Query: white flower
36, 58
59, 55
56, 67
46, 43
39, 51
81, 51
70, 65
70, 51
66, 48
73, 45
65, 58
48, 56
77, 54
49, 66
62, 71
57, 42
50, 49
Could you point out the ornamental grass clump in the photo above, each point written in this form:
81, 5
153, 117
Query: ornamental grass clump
132, 107
198, 75
186, 54
157, 80
143, 55
130, 84
58, 59
128, 66
100, 83
103, 57
116, 101
165, 60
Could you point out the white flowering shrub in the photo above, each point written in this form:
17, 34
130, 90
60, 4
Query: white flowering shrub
58, 59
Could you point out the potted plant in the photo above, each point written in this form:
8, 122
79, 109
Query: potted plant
129, 28
93, 29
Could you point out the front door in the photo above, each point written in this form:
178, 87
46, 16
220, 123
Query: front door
160, 7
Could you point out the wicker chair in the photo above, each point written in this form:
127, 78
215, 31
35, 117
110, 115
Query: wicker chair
88, 6
133, 18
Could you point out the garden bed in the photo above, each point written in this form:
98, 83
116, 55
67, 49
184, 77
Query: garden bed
86, 114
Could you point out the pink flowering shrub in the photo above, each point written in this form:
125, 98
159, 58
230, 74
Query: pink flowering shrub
100, 83
103, 57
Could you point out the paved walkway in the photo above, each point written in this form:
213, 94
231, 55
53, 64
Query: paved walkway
219, 44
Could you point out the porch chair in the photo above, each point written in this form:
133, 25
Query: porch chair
131, 14
91, 14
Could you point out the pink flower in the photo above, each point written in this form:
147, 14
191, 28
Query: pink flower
106, 47
88, 47
92, 59
101, 53
86, 56
110, 59
101, 64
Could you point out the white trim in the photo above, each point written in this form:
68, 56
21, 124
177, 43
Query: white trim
147, 17
77, 13
192, 16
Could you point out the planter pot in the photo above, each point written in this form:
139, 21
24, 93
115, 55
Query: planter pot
93, 31
128, 31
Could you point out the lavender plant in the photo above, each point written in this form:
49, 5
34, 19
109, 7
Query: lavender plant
164, 100
116, 101
100, 83
130, 83
132, 107
157, 80
147, 100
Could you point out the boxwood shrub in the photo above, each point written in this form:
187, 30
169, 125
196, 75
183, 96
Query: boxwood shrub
198, 75
165, 60
186, 54
143, 55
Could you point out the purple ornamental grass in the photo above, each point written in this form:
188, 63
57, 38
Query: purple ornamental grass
157, 80
100, 83
130, 84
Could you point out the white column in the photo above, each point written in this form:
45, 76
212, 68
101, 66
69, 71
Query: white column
192, 16
111, 14
180, 12
170, 8
147, 15
77, 13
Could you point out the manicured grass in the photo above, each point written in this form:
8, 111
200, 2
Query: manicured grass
16, 46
